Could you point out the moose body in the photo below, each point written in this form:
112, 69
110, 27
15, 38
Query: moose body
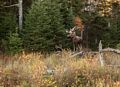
77, 40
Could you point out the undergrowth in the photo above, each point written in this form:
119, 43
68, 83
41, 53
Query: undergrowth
36, 70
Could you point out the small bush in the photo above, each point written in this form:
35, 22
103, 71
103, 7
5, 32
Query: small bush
14, 44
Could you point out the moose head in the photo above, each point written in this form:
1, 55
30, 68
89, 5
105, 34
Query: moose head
71, 33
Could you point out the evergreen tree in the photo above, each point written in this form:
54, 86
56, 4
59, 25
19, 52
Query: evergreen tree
67, 16
7, 25
114, 28
67, 13
14, 44
43, 26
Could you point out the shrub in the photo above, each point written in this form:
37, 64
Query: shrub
14, 44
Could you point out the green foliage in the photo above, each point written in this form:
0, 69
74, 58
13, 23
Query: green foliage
7, 25
14, 44
44, 26
118, 46
118, 33
47, 20
67, 13
77, 6
98, 29
67, 16
114, 33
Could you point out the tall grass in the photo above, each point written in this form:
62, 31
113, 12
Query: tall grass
35, 70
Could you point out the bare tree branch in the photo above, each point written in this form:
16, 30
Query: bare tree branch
11, 5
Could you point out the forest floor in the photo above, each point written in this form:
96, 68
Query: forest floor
57, 70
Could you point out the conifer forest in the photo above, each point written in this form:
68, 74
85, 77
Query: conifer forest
59, 43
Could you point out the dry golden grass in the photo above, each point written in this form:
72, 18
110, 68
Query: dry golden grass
112, 58
36, 70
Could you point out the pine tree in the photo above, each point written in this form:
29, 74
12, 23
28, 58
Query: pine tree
7, 25
67, 13
43, 26
14, 44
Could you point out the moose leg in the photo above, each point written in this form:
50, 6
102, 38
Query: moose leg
74, 47
79, 47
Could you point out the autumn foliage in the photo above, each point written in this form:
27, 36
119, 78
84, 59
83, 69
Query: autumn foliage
78, 22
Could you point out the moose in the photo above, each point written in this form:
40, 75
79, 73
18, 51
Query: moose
76, 40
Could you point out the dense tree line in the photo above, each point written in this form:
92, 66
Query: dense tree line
47, 28
45, 23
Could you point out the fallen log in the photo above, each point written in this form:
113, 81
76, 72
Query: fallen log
76, 54
81, 53
111, 50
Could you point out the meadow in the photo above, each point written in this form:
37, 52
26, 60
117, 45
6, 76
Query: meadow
56, 70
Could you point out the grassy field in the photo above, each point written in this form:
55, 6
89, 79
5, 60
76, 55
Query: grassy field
37, 70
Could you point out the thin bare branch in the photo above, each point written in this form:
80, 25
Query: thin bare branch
11, 5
